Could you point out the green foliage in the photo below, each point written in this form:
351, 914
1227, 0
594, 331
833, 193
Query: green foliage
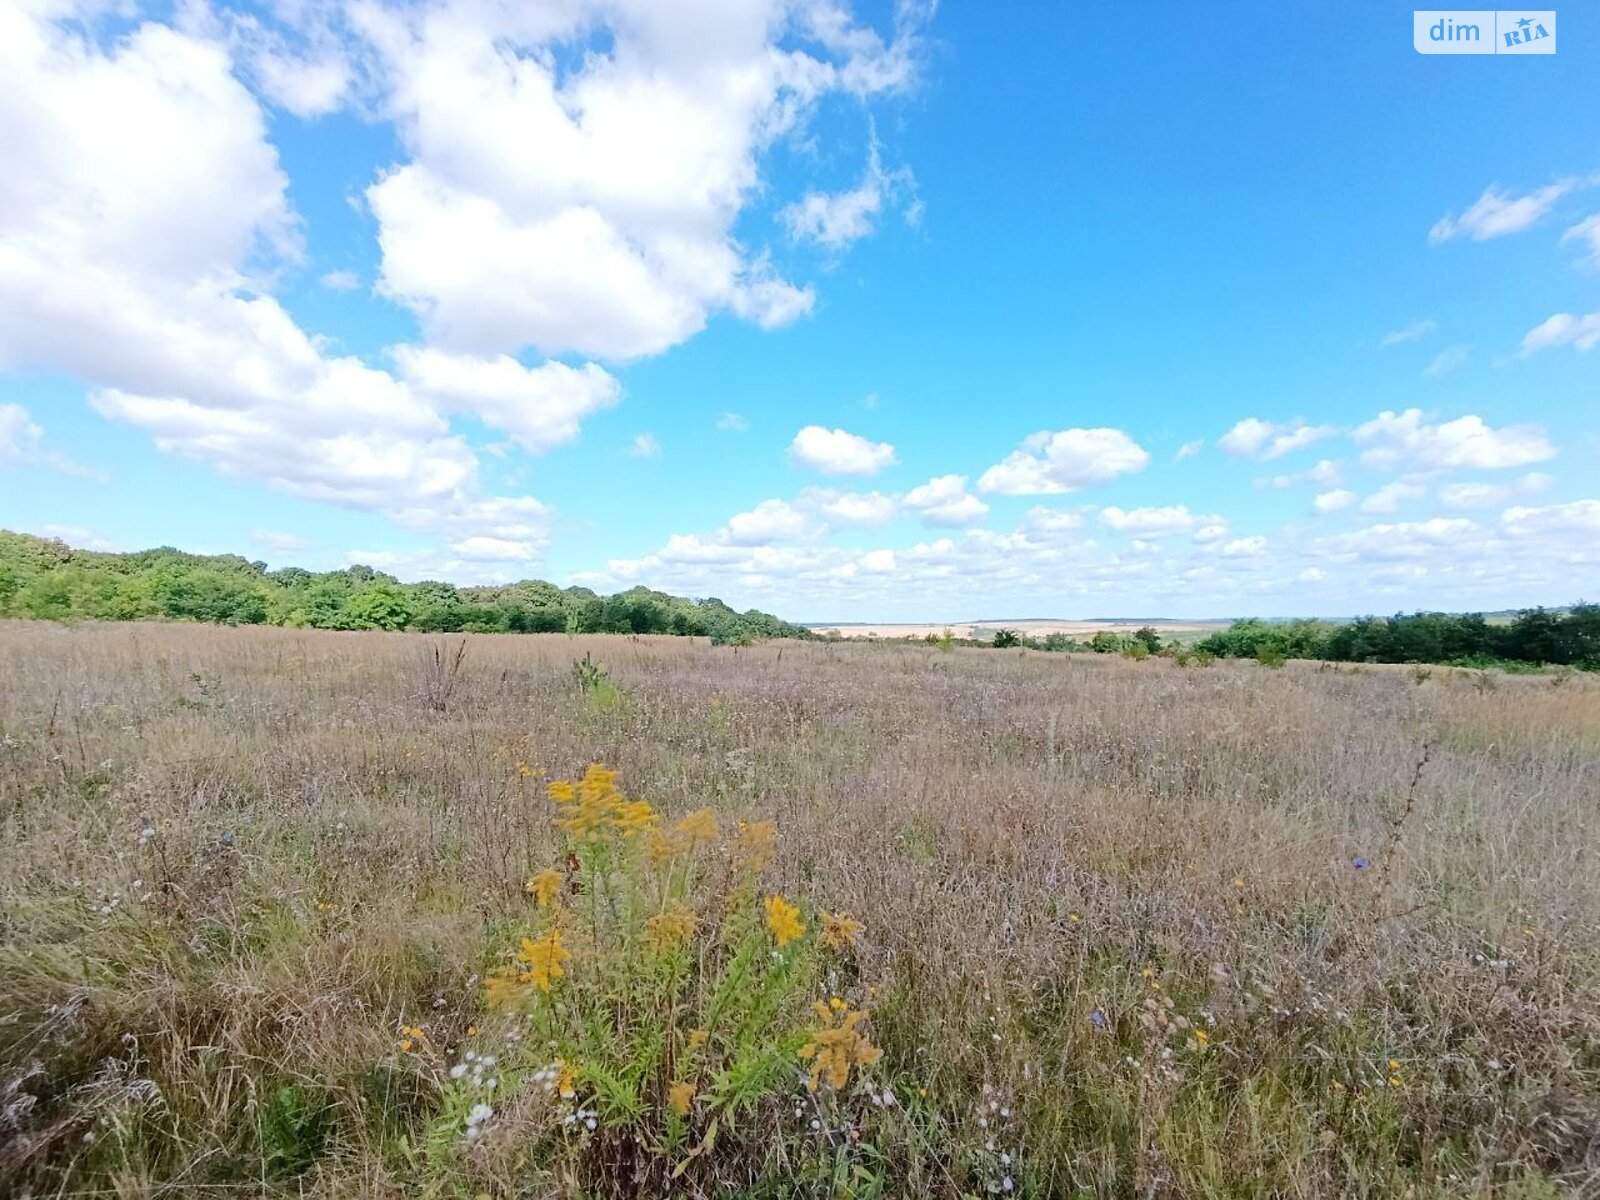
1005, 639
49, 580
1106, 642
296, 1123
1535, 635
594, 683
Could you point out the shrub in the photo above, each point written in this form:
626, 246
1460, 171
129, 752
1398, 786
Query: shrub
656, 1003
1006, 639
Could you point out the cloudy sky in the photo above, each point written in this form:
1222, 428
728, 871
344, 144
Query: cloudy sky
874, 312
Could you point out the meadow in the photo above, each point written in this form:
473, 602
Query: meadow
305, 913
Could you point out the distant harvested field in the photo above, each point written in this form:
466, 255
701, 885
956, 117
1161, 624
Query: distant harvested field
1130, 929
1184, 630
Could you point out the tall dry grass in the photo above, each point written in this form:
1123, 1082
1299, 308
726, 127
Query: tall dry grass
234, 863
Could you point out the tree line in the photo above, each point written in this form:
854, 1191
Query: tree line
49, 580
1535, 635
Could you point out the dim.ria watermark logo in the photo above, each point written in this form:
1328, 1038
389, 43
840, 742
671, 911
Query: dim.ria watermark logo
1484, 31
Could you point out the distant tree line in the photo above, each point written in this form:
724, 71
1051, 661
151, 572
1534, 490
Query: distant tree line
50, 580
1535, 635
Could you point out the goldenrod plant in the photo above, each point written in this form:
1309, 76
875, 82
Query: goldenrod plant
658, 1003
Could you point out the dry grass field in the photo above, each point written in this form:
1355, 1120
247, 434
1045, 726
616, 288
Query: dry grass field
1130, 929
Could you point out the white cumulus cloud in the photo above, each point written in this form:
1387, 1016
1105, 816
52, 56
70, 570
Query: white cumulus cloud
1409, 440
944, 500
1334, 501
836, 452
1146, 522
1064, 461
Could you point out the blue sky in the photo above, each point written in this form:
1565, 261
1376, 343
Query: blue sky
876, 313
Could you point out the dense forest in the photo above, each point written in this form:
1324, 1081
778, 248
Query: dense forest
52, 581
1535, 635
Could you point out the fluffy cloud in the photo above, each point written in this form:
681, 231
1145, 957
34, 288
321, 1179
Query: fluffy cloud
1564, 329
1391, 496
276, 539
20, 437
769, 521
492, 549
1264, 440
732, 422
1250, 547
944, 500
1418, 539
1487, 495
1055, 463
1408, 440
853, 508
141, 186
1326, 471
1334, 501
837, 219
1149, 522
645, 446
1579, 519
540, 407
1497, 213
541, 200
586, 204
835, 452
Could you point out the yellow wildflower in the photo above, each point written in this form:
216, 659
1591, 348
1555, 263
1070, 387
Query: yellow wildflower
523, 770
840, 930
697, 1038
413, 1037
629, 817
502, 988
681, 1096
783, 919
837, 1047
593, 806
837, 1004
1201, 1037
753, 846
662, 846
671, 929
1073, 917
544, 959
567, 1084
545, 886
698, 826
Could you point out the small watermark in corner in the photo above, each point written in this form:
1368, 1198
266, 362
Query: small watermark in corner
1484, 31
